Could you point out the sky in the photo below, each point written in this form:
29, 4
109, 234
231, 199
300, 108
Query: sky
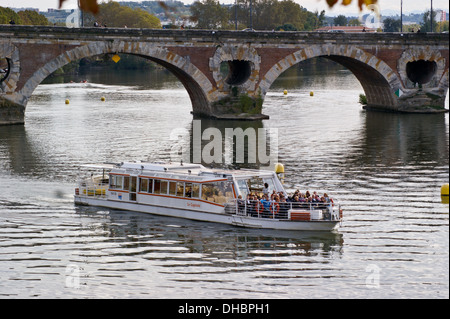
388, 6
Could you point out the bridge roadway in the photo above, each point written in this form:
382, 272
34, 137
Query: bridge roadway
402, 72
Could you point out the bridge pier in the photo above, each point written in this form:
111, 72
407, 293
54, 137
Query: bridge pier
11, 113
415, 101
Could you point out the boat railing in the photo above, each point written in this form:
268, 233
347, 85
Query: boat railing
297, 211
92, 187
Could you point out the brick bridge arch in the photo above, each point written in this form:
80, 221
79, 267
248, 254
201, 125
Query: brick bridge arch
193, 80
378, 80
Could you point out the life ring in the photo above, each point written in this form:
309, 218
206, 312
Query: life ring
276, 209
259, 207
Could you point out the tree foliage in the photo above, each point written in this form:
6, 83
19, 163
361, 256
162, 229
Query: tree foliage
265, 15
27, 17
112, 14
209, 14
392, 25
340, 20
30, 17
6, 15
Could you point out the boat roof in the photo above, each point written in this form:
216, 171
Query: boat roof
177, 169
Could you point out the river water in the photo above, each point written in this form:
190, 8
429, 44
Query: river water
385, 169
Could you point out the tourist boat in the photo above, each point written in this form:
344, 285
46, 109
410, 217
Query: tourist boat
194, 192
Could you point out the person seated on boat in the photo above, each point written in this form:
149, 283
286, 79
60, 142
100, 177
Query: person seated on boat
284, 207
295, 202
241, 204
301, 198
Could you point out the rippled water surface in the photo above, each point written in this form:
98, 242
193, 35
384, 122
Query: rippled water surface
386, 170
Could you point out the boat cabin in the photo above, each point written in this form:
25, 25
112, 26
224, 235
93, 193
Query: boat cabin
137, 182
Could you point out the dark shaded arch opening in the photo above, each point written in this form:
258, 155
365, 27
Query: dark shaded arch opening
421, 71
5, 69
376, 88
238, 72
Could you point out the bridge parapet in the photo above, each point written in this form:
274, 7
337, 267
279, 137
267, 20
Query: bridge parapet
406, 72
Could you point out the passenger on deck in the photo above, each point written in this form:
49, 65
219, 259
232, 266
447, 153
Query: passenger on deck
241, 204
266, 204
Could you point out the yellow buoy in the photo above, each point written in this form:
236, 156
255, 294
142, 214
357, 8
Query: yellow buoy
311, 93
103, 99
285, 92
444, 194
67, 101
444, 190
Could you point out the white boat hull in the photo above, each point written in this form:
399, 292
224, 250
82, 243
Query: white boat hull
236, 220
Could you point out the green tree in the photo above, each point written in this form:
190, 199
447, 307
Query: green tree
30, 17
7, 15
392, 25
426, 24
442, 26
354, 22
341, 20
112, 14
209, 14
274, 14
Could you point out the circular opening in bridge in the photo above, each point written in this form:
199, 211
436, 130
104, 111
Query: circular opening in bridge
239, 71
5, 66
421, 71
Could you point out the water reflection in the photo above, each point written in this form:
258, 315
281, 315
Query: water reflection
401, 139
165, 238
17, 152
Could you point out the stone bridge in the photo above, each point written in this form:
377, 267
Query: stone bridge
399, 72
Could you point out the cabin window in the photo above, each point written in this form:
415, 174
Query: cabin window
206, 191
126, 183
133, 184
172, 188
243, 187
195, 190
218, 192
115, 182
256, 185
164, 185
188, 190
180, 189
157, 187
144, 185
